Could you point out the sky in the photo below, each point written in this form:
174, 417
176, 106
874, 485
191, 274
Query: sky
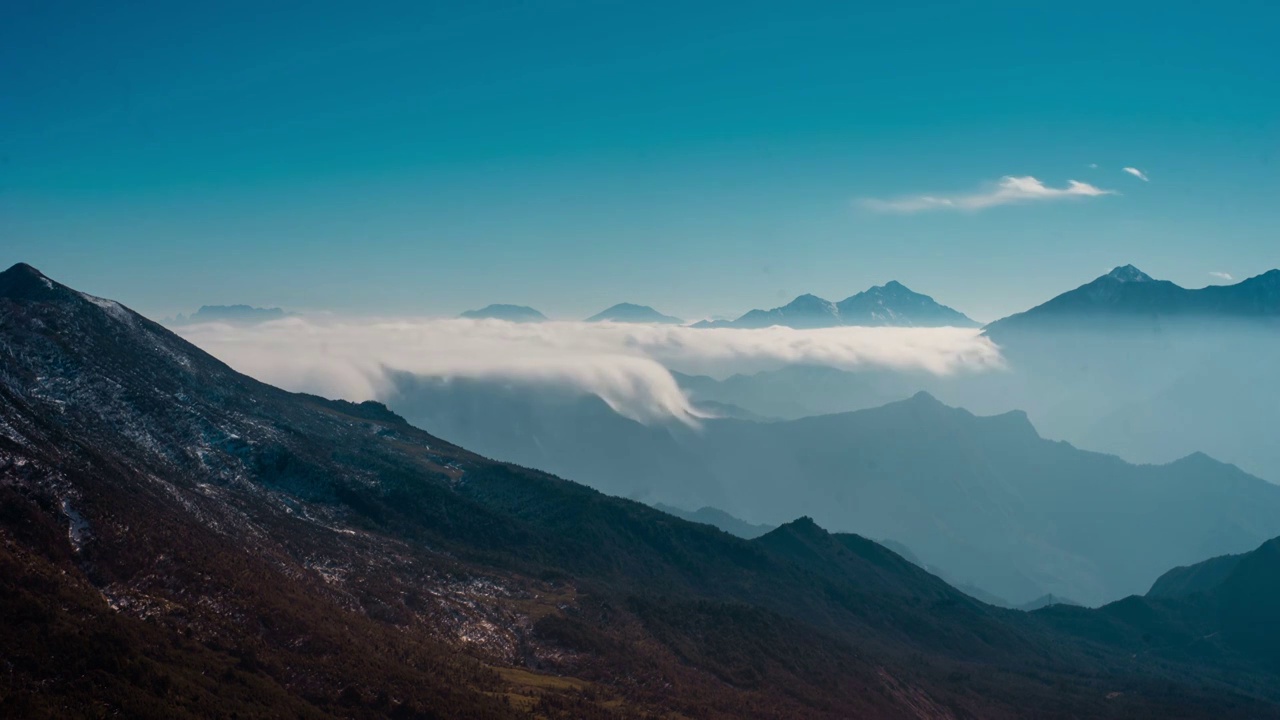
703, 158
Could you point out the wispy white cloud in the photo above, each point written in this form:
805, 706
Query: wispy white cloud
1093, 166
625, 365
1221, 275
1137, 173
1008, 190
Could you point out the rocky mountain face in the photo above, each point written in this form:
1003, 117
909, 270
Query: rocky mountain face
178, 540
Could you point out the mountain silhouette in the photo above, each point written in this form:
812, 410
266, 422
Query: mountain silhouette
891, 304
238, 314
1128, 295
1234, 599
510, 313
629, 313
719, 519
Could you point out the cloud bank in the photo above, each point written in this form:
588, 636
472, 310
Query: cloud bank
1221, 275
1137, 173
626, 365
1007, 191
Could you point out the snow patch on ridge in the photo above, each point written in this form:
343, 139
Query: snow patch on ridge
110, 307
77, 526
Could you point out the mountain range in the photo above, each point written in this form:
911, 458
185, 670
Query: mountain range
622, 312
1151, 386
891, 304
178, 540
952, 486
1125, 293
244, 314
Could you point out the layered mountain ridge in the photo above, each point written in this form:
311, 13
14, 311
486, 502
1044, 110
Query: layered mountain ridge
178, 540
948, 484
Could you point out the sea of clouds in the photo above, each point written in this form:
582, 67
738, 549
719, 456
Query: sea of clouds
627, 365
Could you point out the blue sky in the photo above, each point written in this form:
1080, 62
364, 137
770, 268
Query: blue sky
704, 158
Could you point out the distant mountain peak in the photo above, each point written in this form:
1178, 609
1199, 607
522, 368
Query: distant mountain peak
1129, 273
629, 306
896, 304
893, 286
633, 313
510, 313
924, 398
235, 314
803, 526
809, 302
1199, 459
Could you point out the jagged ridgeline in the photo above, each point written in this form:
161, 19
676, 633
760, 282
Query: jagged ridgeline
179, 540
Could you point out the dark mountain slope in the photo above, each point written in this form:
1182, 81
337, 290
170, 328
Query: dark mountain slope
1237, 594
534, 425
165, 517
1218, 613
1183, 582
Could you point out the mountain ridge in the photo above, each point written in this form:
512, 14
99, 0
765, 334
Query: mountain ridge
1127, 293
891, 304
